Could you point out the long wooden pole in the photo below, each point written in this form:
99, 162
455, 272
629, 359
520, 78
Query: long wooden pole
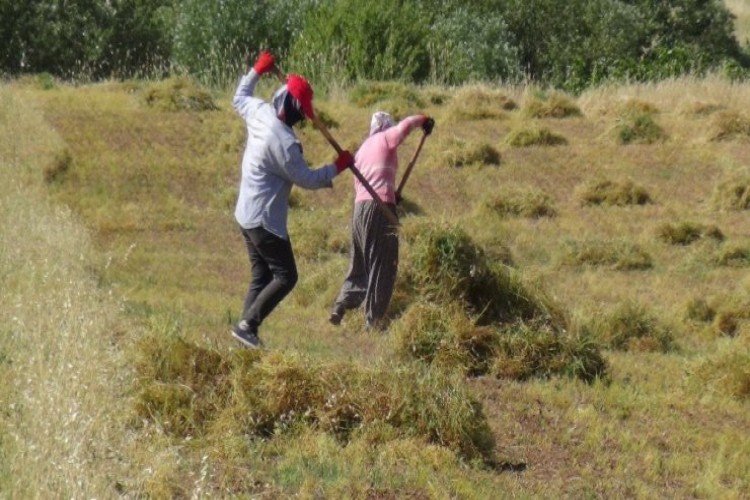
409, 168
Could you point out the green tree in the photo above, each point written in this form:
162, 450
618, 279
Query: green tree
78, 39
576, 43
471, 43
15, 22
62, 37
362, 39
212, 39
684, 36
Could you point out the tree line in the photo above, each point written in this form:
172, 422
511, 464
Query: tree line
568, 44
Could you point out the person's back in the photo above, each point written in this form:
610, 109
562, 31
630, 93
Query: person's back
265, 185
377, 157
271, 164
374, 252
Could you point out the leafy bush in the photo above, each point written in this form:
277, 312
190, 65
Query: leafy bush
139, 40
569, 45
364, 40
216, 41
85, 40
593, 41
46, 81
470, 43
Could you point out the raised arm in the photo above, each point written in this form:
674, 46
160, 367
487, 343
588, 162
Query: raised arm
243, 100
395, 135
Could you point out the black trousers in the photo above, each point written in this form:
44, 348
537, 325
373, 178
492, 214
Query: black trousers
274, 274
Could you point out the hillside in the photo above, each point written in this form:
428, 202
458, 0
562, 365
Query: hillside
624, 208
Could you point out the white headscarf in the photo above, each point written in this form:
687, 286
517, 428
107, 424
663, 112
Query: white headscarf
380, 121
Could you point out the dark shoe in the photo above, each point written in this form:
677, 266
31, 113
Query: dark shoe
248, 338
336, 315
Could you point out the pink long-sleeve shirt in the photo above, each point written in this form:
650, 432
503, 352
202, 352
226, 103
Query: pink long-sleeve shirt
377, 159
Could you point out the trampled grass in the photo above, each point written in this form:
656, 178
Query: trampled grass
612, 365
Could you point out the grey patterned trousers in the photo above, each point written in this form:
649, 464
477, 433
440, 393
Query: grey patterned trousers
373, 263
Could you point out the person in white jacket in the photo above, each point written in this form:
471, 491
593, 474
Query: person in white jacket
272, 163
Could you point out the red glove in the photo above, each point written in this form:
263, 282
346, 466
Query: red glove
264, 63
344, 161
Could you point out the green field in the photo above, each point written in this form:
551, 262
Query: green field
618, 219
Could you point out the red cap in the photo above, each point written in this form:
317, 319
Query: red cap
301, 90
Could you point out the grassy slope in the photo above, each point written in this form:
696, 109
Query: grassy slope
156, 190
62, 381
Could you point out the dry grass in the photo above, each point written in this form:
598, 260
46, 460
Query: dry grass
553, 105
726, 372
617, 193
619, 255
163, 260
398, 99
741, 11
479, 103
461, 154
733, 194
685, 233
640, 129
63, 383
727, 125
520, 202
534, 136
178, 94
737, 255
631, 326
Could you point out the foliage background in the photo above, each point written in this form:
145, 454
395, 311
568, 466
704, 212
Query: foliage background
570, 44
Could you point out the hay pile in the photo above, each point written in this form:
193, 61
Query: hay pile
191, 391
481, 318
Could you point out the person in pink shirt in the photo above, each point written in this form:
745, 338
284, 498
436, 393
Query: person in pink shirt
374, 248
